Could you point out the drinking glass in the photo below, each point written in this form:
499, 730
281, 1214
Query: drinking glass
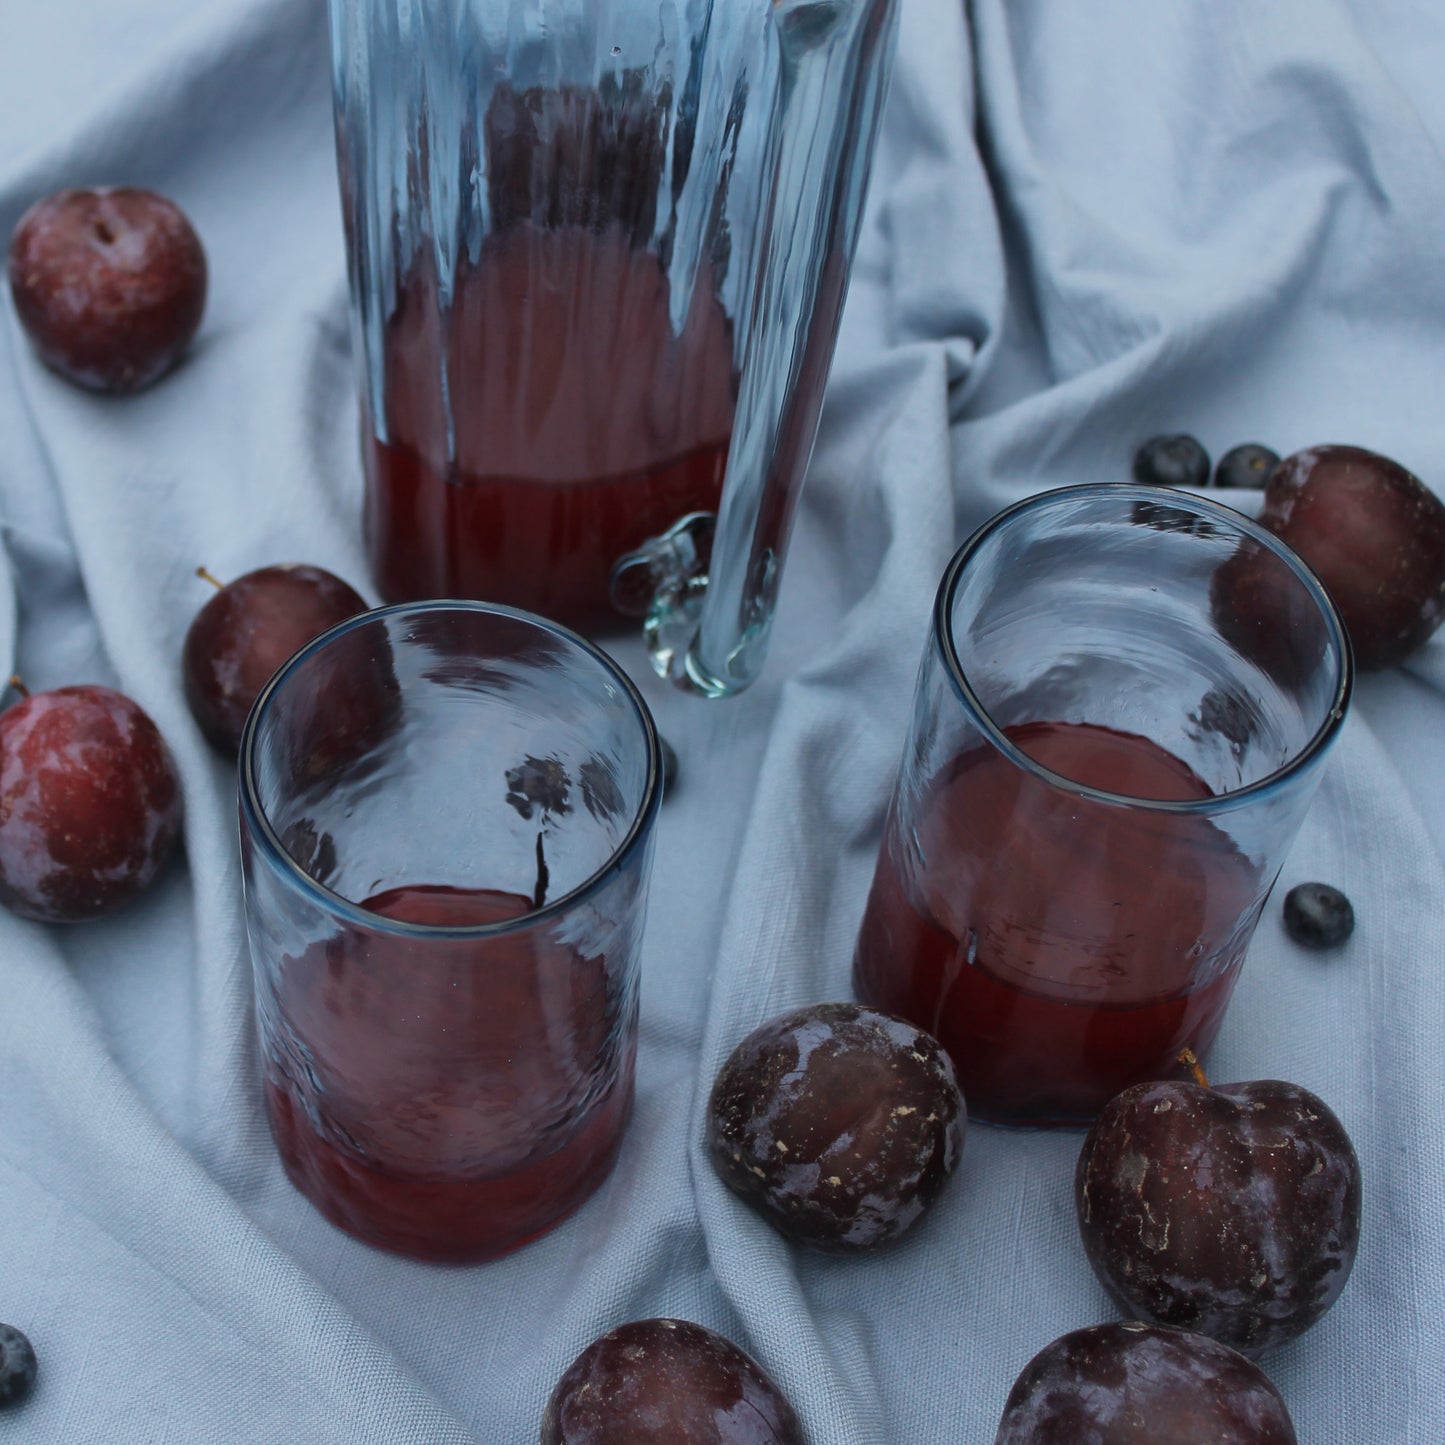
1120, 719
598, 250
447, 812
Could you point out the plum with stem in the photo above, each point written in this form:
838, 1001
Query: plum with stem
1232, 1210
246, 631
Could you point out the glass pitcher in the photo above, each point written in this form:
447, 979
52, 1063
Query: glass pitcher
598, 251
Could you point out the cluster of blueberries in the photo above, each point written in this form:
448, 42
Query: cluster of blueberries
1180, 460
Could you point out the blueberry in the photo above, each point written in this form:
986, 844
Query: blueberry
1245, 466
1317, 915
17, 1365
669, 765
1172, 461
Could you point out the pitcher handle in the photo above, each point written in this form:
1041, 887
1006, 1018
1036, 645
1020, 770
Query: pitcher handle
709, 621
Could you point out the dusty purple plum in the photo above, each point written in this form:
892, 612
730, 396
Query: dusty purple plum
838, 1123
1374, 534
1232, 1210
667, 1382
1133, 1383
246, 631
1259, 605
109, 283
90, 803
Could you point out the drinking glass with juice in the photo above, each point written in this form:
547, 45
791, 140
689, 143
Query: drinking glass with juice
447, 814
1120, 719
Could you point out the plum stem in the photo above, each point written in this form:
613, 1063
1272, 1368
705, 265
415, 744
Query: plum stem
215, 582
19, 685
1196, 1072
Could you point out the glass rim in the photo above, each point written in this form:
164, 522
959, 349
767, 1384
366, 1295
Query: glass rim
279, 858
1230, 517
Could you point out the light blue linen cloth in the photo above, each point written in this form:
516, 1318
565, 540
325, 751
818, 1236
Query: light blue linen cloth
1091, 221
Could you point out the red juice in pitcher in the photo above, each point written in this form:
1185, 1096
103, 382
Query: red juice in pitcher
439, 1106
1052, 941
550, 420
